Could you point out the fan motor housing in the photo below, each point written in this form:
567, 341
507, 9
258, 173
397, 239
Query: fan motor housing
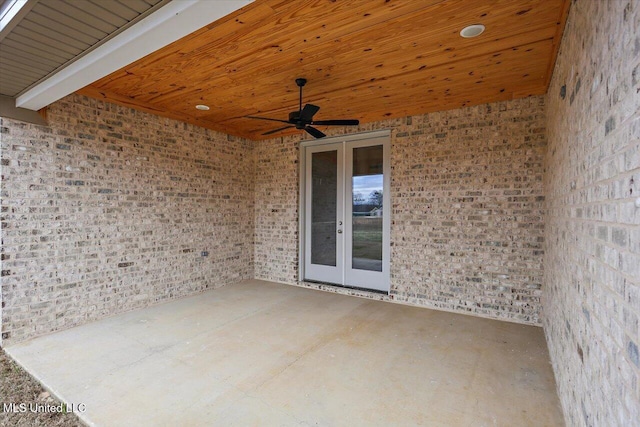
294, 118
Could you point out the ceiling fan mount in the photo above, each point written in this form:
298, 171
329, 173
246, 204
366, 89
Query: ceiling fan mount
302, 119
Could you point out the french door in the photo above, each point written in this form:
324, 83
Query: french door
345, 211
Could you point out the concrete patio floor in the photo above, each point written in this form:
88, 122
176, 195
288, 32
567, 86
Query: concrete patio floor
260, 353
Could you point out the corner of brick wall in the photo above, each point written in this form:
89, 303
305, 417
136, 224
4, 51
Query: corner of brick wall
108, 209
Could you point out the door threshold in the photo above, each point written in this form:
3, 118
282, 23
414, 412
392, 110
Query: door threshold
355, 288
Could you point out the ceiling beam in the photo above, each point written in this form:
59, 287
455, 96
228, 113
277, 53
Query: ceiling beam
168, 24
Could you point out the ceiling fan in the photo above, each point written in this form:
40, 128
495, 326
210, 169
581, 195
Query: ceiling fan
303, 118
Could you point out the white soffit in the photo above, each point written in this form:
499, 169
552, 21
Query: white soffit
171, 22
11, 13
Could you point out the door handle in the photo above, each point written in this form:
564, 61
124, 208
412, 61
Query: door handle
339, 231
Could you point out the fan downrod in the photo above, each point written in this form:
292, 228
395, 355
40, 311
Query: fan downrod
294, 116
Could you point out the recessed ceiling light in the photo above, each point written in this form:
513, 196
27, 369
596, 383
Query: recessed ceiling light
202, 107
472, 31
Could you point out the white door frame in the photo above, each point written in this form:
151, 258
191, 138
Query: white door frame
365, 278
367, 138
333, 274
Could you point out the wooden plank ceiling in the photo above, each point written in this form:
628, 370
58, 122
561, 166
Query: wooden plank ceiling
363, 59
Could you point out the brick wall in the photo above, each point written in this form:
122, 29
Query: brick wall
467, 209
276, 210
109, 209
592, 265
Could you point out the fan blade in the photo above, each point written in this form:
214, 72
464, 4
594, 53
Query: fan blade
306, 115
336, 122
314, 132
277, 130
266, 118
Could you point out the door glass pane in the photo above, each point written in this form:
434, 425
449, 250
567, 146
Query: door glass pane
324, 187
367, 208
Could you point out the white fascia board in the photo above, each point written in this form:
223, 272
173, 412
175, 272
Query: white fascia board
168, 24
